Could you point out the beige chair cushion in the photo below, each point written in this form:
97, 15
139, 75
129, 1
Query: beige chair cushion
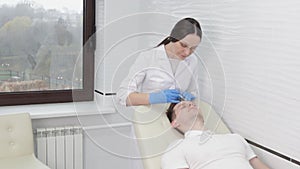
16, 138
16, 143
22, 162
154, 132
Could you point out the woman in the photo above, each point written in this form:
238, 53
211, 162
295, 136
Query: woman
166, 73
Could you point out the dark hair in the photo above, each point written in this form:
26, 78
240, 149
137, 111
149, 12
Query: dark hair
181, 29
170, 112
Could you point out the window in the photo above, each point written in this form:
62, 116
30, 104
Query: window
40, 43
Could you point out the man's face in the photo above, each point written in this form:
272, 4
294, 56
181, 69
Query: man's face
185, 112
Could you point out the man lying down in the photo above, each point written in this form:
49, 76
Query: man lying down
200, 149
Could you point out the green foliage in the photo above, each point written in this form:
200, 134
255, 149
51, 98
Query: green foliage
19, 24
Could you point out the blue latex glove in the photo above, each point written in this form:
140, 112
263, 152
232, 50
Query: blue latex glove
188, 96
165, 96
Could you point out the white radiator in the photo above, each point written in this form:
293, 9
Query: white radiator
61, 147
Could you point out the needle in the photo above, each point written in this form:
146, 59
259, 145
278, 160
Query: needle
181, 98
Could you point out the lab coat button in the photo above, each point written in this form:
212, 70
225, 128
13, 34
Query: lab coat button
9, 129
12, 143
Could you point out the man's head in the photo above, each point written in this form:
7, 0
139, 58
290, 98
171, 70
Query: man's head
185, 116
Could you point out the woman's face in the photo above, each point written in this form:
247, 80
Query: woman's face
184, 47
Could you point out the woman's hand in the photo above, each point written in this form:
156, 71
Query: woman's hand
188, 96
165, 96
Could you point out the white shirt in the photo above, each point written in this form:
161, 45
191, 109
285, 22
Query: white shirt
226, 151
152, 72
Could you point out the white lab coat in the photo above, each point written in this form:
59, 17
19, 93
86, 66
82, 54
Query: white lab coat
152, 72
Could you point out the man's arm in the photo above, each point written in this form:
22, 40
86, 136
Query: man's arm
257, 164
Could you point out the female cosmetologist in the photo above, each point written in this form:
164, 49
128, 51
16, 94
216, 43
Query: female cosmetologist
166, 73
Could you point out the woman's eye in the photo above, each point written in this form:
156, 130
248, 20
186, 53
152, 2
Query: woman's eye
183, 45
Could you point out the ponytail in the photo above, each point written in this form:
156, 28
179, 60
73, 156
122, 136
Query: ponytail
167, 40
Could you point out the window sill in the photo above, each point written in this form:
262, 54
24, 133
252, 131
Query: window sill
40, 111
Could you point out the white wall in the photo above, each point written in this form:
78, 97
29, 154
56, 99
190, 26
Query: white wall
117, 24
112, 147
115, 38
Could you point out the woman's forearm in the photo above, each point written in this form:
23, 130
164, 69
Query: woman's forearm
136, 99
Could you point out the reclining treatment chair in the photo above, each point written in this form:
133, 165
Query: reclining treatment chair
16, 143
154, 132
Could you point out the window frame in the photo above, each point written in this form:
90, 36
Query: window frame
70, 95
